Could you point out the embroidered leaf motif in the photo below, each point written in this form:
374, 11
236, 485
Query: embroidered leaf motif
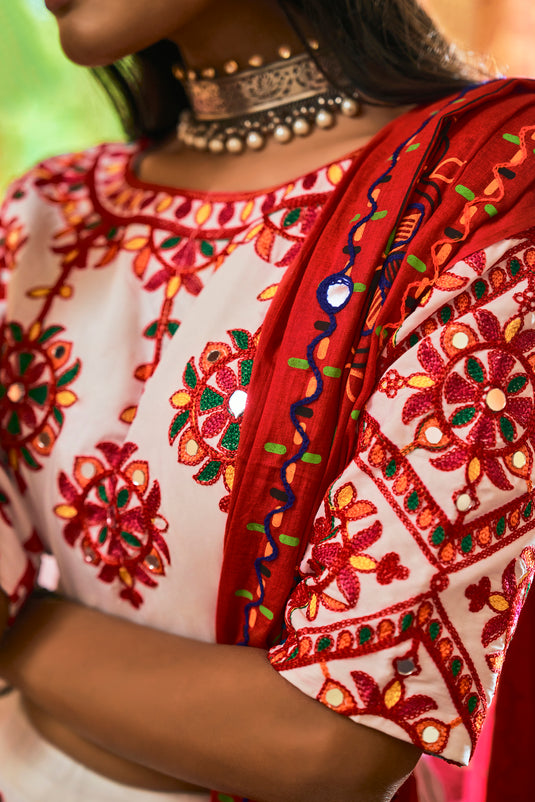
413, 501
28, 459
178, 422
291, 218
507, 429
445, 314
151, 330
514, 266
25, 360
131, 539
207, 249
406, 621
517, 384
209, 472
16, 331
122, 497
210, 399
39, 394
190, 377
172, 327
472, 703
480, 289
170, 242
246, 368
69, 375
475, 370
102, 494
232, 437
13, 425
49, 332
463, 416
438, 536
240, 338
466, 544
391, 469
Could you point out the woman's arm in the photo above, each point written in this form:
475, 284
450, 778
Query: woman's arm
214, 715
4, 611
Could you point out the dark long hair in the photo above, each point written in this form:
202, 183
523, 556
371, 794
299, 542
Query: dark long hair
390, 51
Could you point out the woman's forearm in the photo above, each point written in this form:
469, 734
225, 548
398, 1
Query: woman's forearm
4, 612
217, 716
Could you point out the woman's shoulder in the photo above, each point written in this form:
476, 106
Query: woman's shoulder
68, 177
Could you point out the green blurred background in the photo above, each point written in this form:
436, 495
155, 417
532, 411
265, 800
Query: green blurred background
47, 104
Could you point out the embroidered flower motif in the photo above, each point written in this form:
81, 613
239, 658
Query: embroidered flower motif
11, 242
391, 383
34, 379
113, 516
478, 403
338, 556
505, 604
390, 702
211, 406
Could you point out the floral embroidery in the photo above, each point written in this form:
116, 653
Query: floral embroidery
211, 406
338, 556
11, 242
415, 627
477, 405
113, 516
34, 389
33, 548
505, 604
390, 702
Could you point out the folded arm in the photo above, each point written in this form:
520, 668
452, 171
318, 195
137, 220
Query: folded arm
4, 612
213, 715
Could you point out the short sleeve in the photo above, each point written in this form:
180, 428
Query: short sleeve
423, 550
20, 547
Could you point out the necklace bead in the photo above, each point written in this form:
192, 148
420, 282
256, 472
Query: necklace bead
301, 127
234, 144
324, 119
282, 134
255, 141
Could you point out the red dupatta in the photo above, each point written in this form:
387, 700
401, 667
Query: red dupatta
435, 185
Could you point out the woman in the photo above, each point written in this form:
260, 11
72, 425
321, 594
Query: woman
385, 299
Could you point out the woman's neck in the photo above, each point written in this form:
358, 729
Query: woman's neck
235, 30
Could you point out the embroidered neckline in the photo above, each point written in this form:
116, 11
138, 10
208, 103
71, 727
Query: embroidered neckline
121, 192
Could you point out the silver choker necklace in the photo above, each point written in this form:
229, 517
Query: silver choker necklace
283, 100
